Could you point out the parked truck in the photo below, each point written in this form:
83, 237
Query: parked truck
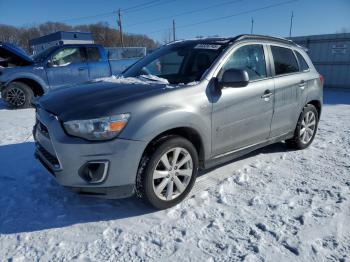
23, 77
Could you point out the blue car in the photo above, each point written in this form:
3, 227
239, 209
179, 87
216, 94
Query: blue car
24, 77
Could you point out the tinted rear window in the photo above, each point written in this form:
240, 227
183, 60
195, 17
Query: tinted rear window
302, 63
284, 60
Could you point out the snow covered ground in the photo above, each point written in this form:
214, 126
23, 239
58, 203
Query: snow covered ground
272, 205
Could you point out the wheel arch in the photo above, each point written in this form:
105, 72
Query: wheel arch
186, 132
317, 104
37, 88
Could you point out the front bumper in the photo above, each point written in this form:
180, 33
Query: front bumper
64, 156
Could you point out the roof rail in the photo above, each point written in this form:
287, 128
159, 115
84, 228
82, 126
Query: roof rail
265, 37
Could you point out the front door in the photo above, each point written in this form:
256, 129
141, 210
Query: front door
68, 66
242, 116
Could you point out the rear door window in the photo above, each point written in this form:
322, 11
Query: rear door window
284, 60
302, 63
93, 54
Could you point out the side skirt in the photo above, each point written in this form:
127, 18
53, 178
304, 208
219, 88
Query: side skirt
231, 155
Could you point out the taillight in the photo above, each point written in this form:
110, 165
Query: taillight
322, 79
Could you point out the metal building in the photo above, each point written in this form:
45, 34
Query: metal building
331, 56
58, 38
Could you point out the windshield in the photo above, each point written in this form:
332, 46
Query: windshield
43, 55
178, 63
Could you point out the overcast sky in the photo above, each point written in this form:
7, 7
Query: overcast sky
192, 18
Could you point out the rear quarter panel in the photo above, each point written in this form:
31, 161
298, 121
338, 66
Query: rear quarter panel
314, 83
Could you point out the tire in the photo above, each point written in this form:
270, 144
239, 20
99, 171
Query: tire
162, 183
18, 95
307, 122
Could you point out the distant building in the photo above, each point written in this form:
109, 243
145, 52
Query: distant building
331, 56
59, 38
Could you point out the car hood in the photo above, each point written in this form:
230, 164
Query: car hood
13, 54
94, 100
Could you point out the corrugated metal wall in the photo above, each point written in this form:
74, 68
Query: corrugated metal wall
331, 56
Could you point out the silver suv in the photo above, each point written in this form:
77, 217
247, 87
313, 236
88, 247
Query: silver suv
187, 106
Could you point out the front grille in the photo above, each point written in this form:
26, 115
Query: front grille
49, 157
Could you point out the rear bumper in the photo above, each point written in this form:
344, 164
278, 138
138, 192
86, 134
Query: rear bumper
65, 156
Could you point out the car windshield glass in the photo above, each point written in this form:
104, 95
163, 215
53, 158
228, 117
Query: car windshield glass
177, 63
43, 54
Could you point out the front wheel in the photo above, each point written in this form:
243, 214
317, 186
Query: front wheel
306, 128
18, 95
168, 174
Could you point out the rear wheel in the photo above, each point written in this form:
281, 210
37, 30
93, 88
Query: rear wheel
306, 128
18, 95
167, 176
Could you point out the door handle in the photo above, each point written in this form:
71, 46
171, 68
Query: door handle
267, 94
81, 68
302, 84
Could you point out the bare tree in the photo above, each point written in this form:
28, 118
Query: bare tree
102, 34
9, 34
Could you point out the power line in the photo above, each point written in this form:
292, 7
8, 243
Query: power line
87, 17
186, 13
139, 5
146, 7
128, 10
229, 16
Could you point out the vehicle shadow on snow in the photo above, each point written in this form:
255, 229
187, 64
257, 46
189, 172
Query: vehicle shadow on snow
274, 148
32, 201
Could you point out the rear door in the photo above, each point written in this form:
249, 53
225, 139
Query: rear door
289, 86
307, 79
98, 63
242, 116
68, 66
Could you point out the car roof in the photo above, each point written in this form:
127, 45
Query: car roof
244, 37
96, 45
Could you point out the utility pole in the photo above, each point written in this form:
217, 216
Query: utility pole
252, 27
120, 27
174, 35
291, 24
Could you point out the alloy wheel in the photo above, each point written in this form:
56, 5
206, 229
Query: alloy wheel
172, 174
15, 96
308, 127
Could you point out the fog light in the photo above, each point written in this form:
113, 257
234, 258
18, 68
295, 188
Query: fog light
94, 171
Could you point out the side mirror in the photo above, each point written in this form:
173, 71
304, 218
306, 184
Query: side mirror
49, 63
234, 78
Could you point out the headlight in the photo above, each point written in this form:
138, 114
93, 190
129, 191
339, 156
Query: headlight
97, 129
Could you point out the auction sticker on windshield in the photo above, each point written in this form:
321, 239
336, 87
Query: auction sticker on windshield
207, 46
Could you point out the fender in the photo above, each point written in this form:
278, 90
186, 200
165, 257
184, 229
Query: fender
29, 76
146, 129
